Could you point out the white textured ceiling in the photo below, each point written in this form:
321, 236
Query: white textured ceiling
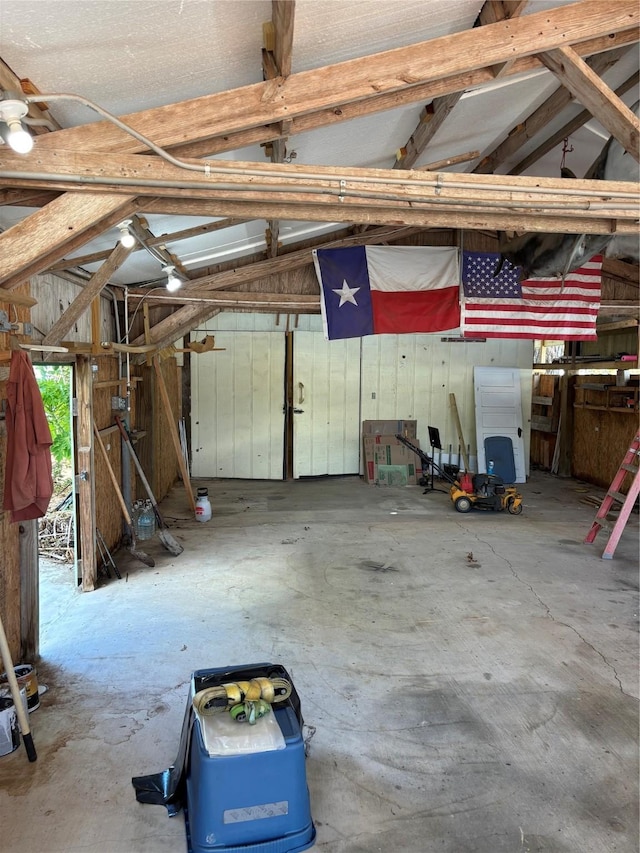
130, 55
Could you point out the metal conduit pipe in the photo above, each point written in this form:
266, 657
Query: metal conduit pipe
208, 168
338, 192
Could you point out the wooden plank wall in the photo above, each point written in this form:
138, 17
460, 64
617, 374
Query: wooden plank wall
154, 448
544, 419
600, 441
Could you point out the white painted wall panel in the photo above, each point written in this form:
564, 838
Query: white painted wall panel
402, 376
237, 407
411, 377
326, 388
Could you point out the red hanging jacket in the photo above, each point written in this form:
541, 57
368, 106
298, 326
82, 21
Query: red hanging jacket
28, 484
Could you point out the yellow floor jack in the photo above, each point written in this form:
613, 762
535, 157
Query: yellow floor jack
469, 491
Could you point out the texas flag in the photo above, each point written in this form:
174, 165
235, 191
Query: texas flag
376, 290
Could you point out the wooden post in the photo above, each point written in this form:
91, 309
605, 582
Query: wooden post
85, 483
565, 436
95, 326
173, 430
456, 417
29, 592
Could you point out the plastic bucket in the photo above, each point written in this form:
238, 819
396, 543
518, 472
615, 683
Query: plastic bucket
9, 730
26, 677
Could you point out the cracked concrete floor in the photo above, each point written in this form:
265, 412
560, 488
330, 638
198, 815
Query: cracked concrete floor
472, 679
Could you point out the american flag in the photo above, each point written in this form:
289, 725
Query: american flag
538, 308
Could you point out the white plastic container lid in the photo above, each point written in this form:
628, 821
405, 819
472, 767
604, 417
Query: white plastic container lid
222, 735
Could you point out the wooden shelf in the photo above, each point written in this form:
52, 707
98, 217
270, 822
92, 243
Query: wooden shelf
606, 398
617, 326
589, 365
605, 408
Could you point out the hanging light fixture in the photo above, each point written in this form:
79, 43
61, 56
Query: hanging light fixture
12, 111
173, 282
126, 237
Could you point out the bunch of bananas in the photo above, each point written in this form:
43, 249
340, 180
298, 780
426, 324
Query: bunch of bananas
246, 701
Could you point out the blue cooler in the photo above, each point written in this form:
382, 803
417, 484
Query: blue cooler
253, 798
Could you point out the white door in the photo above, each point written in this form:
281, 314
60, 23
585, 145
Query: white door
498, 405
237, 411
326, 405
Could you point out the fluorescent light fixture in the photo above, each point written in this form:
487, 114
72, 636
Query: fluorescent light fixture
126, 237
11, 112
173, 282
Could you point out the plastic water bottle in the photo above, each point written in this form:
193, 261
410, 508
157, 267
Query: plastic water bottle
490, 467
146, 521
203, 506
135, 515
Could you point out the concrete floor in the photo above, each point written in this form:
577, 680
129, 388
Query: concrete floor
472, 679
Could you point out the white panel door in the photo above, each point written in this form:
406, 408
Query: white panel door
326, 405
237, 412
498, 404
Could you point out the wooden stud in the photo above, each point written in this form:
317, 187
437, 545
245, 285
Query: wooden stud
173, 431
85, 488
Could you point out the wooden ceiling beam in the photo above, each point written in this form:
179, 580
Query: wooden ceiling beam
287, 190
534, 123
293, 260
358, 79
291, 303
574, 73
83, 300
65, 224
379, 82
432, 117
276, 63
172, 237
566, 130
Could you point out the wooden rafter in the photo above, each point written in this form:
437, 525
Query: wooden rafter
359, 81
598, 98
434, 115
83, 300
173, 237
276, 63
65, 224
534, 123
567, 129
501, 10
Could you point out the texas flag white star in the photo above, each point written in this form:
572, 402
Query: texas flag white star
346, 293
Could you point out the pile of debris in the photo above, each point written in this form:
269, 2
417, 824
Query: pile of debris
55, 532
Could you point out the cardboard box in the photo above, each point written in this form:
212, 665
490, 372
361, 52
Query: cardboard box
409, 429
387, 450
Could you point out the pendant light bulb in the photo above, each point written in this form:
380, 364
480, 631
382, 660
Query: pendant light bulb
173, 282
126, 237
12, 111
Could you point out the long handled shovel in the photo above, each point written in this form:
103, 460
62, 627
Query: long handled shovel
15, 695
139, 555
166, 538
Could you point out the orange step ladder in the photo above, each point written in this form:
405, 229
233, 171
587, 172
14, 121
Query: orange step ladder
629, 465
